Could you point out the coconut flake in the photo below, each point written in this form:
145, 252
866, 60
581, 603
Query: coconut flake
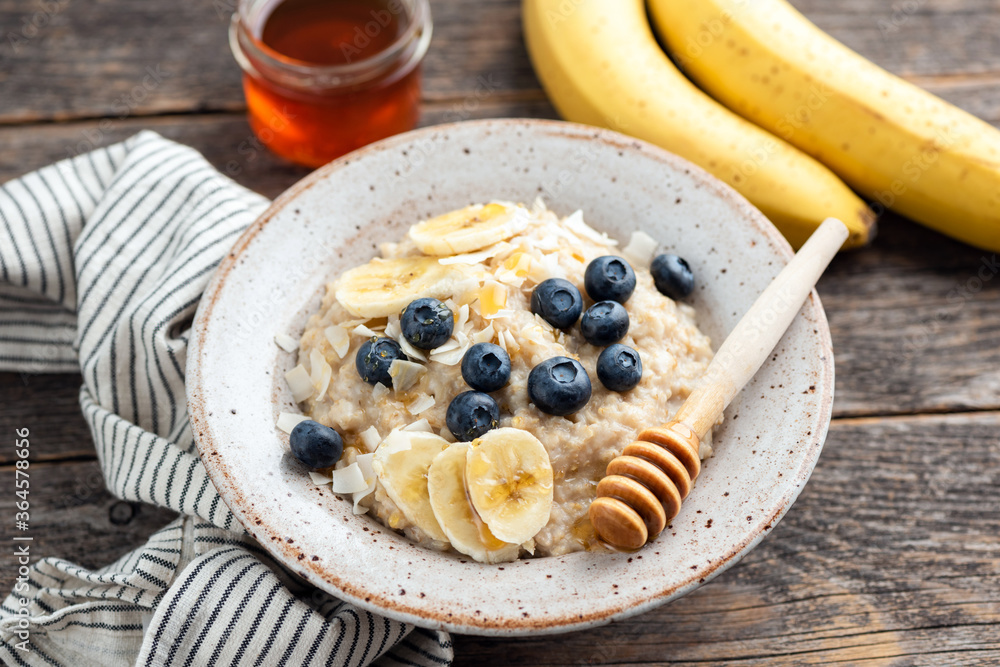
339, 339
450, 358
319, 479
547, 243
575, 222
405, 374
640, 250
484, 336
477, 257
501, 342
540, 270
289, 420
321, 372
533, 333
511, 344
358, 510
411, 351
540, 321
509, 277
503, 312
424, 402
379, 391
454, 354
449, 345
392, 328
463, 317
370, 438
362, 330
300, 383
349, 479
365, 463
420, 425
286, 342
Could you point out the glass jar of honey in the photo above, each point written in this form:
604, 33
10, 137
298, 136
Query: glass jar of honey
324, 77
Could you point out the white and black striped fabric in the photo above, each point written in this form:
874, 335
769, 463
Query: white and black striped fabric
103, 258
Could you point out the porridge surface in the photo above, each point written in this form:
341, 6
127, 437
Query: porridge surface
674, 356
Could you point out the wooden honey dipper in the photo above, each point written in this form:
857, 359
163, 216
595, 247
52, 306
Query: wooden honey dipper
645, 486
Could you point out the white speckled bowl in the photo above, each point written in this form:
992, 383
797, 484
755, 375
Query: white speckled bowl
273, 280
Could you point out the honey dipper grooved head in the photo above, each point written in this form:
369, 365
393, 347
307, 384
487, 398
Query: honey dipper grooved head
644, 486
680, 441
617, 523
638, 497
647, 474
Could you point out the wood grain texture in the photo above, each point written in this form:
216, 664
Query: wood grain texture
72, 514
915, 320
147, 61
49, 406
224, 139
150, 61
887, 558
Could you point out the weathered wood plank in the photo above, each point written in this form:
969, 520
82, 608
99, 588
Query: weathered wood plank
224, 139
48, 406
72, 515
889, 557
124, 58
915, 324
916, 38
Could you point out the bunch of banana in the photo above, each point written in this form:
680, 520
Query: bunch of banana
891, 141
486, 498
601, 65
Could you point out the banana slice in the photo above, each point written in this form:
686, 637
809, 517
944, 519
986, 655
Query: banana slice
450, 502
384, 287
470, 228
509, 477
401, 462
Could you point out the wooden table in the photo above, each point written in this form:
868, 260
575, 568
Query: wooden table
892, 554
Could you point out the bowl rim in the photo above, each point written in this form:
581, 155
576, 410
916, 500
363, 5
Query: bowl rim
423, 614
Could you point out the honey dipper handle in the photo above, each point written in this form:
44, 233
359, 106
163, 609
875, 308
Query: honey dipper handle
756, 334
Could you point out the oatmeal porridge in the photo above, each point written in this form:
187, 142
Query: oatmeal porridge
482, 372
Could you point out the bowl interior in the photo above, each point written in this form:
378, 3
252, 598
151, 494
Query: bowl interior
335, 218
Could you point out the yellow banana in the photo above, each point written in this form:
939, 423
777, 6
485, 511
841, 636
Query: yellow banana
601, 65
888, 139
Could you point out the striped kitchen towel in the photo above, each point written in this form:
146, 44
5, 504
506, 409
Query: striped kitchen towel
103, 258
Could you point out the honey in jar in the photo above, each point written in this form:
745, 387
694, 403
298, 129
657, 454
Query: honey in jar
324, 77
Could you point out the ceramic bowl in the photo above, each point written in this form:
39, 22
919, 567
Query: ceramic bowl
276, 273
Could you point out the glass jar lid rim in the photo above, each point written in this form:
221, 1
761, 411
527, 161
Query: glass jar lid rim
244, 32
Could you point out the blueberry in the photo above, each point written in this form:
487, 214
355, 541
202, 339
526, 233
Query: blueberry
316, 445
619, 367
558, 301
559, 386
471, 414
486, 367
673, 276
604, 323
609, 278
374, 358
427, 323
